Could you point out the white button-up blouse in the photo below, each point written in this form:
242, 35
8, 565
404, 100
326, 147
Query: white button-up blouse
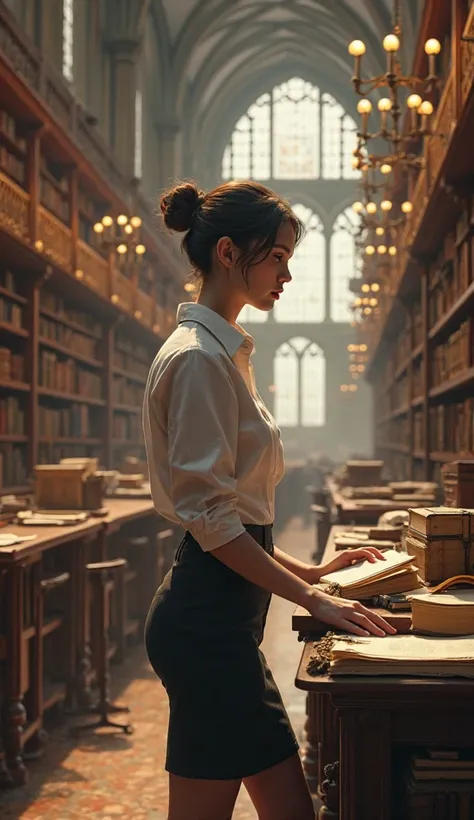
214, 451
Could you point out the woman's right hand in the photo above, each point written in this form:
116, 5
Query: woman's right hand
348, 616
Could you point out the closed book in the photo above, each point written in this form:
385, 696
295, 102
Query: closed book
445, 610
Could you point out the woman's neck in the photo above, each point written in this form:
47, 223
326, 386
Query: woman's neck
221, 303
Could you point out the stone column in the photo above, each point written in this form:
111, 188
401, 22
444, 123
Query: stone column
168, 132
124, 58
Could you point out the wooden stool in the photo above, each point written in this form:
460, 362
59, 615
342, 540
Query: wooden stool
102, 585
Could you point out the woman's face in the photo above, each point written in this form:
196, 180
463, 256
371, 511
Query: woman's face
264, 281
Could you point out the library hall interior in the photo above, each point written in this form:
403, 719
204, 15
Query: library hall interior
236, 410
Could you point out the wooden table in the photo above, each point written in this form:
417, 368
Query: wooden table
349, 511
360, 731
24, 631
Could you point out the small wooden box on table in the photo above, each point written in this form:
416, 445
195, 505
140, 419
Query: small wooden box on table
361, 731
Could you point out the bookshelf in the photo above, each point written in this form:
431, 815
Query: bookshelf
421, 345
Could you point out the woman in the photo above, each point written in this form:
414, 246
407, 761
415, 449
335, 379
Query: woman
215, 458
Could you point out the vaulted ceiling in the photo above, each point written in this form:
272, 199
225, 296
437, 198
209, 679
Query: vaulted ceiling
222, 53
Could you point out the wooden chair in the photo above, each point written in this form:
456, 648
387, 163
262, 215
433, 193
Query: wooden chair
103, 577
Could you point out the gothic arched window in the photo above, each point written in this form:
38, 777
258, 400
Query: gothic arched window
296, 131
68, 39
300, 384
344, 264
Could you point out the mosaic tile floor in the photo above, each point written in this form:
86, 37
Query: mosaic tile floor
110, 776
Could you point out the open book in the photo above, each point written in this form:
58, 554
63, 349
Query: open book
444, 610
364, 579
414, 655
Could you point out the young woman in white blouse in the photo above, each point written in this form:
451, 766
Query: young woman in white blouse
215, 457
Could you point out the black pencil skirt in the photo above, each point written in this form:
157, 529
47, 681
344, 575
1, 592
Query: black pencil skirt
203, 631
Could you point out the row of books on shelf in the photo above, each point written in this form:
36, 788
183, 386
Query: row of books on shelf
452, 427
10, 313
452, 357
135, 351
12, 166
63, 335
12, 417
54, 303
450, 274
54, 200
77, 420
12, 366
8, 281
9, 127
417, 380
13, 471
127, 428
124, 392
417, 324
68, 377
123, 361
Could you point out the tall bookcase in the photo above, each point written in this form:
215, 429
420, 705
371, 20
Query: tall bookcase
422, 343
79, 326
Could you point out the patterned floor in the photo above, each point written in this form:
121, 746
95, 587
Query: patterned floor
116, 776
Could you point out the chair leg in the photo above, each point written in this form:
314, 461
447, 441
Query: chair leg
104, 707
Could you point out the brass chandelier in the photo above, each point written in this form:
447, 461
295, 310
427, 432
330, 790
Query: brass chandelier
121, 238
390, 128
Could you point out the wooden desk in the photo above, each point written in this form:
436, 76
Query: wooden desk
23, 633
367, 727
348, 511
360, 730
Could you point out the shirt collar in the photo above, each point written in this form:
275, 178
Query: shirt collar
232, 337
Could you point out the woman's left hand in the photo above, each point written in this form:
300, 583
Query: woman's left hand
345, 559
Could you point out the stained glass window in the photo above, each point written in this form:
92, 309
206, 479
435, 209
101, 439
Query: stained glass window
300, 384
68, 39
293, 132
344, 264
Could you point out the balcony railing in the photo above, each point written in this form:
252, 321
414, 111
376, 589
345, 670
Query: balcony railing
14, 209
467, 59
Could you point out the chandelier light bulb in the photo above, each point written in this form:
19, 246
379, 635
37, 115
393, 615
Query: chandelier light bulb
363, 348
432, 46
107, 221
385, 168
380, 231
370, 250
386, 205
426, 108
364, 106
391, 43
382, 249
414, 101
122, 219
135, 222
375, 288
140, 250
365, 288
373, 303
98, 227
358, 207
367, 311
385, 104
407, 207
392, 250
121, 249
358, 301
128, 228
356, 48
354, 163
371, 208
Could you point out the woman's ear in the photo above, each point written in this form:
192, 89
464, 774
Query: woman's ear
225, 250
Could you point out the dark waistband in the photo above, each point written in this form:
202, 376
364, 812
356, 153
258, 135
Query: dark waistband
262, 533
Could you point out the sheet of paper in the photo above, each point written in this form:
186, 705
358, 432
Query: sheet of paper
395, 648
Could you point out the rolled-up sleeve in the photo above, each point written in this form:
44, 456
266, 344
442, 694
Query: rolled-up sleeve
203, 419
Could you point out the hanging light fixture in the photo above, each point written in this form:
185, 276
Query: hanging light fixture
389, 127
121, 236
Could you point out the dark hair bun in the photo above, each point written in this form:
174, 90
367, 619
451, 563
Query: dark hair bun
179, 206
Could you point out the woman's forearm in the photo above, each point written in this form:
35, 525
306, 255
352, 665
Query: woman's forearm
248, 559
298, 568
